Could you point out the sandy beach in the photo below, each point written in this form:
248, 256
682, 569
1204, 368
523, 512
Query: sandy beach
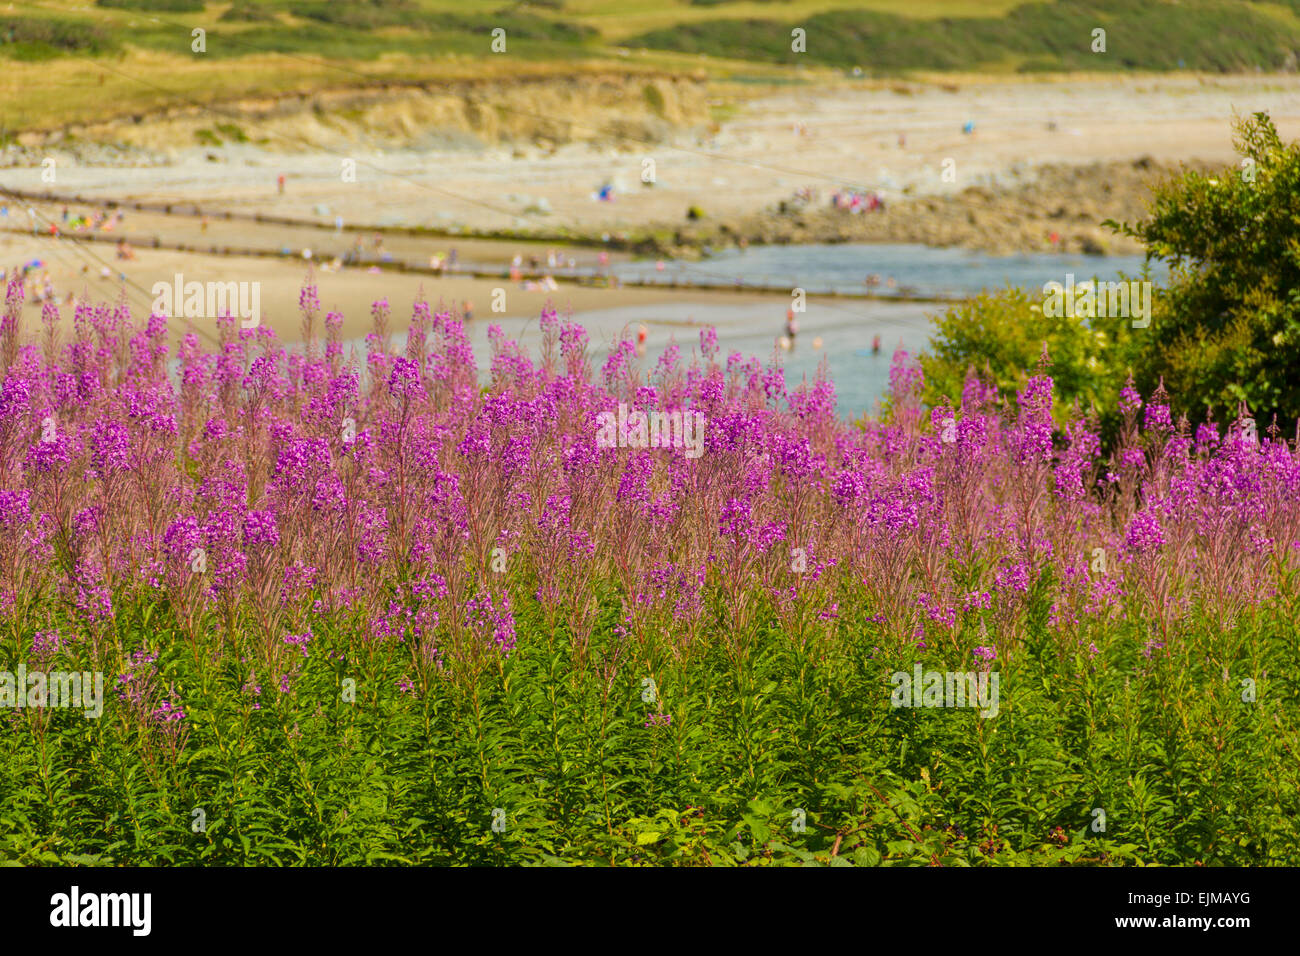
895, 140
1043, 163
351, 292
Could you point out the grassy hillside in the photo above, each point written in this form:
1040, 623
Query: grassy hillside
137, 54
1210, 35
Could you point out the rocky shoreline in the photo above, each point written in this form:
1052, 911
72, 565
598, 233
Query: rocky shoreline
1061, 209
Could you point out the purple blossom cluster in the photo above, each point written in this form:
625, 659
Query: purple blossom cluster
248, 480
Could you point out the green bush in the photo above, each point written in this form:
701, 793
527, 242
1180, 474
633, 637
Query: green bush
29, 38
1225, 331
1228, 328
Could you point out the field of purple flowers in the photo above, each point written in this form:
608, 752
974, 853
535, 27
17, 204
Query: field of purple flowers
369, 609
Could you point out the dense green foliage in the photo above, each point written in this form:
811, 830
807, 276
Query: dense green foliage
1227, 329
1183, 768
1224, 330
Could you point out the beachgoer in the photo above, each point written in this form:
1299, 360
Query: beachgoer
469, 310
875, 345
280, 183
791, 324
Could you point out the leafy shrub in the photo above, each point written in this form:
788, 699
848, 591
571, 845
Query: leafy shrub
1227, 330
